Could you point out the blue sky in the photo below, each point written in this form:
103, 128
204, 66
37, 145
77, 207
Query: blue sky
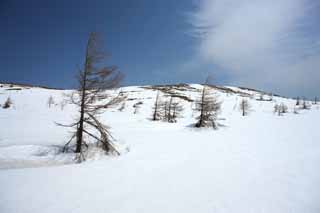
271, 45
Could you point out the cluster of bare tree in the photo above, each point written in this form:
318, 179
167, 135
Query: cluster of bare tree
168, 110
303, 104
280, 109
90, 98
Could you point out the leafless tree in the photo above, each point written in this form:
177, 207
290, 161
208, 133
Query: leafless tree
92, 99
172, 110
7, 104
63, 103
298, 101
50, 101
245, 107
305, 104
280, 109
157, 108
209, 108
315, 100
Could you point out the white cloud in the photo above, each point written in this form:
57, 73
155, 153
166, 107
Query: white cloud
271, 44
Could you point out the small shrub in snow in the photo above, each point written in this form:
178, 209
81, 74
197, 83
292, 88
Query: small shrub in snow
137, 107
122, 107
7, 104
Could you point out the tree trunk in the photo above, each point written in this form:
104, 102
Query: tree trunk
202, 105
82, 106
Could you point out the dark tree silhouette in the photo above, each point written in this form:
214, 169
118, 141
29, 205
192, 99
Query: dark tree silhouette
209, 108
50, 101
7, 104
244, 107
158, 108
92, 99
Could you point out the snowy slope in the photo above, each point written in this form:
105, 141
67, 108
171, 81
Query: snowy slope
258, 163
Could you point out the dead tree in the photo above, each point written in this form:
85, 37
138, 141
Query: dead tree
209, 108
298, 101
245, 107
92, 99
50, 101
315, 100
7, 104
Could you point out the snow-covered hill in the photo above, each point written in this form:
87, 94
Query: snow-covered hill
258, 163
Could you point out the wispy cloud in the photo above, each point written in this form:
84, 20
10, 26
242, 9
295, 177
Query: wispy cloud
271, 44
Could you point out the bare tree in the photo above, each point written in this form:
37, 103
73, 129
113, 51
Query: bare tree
92, 99
157, 108
315, 100
298, 101
172, 110
280, 109
245, 107
209, 108
63, 103
305, 104
50, 101
7, 104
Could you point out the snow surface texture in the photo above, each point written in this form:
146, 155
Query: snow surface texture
258, 163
